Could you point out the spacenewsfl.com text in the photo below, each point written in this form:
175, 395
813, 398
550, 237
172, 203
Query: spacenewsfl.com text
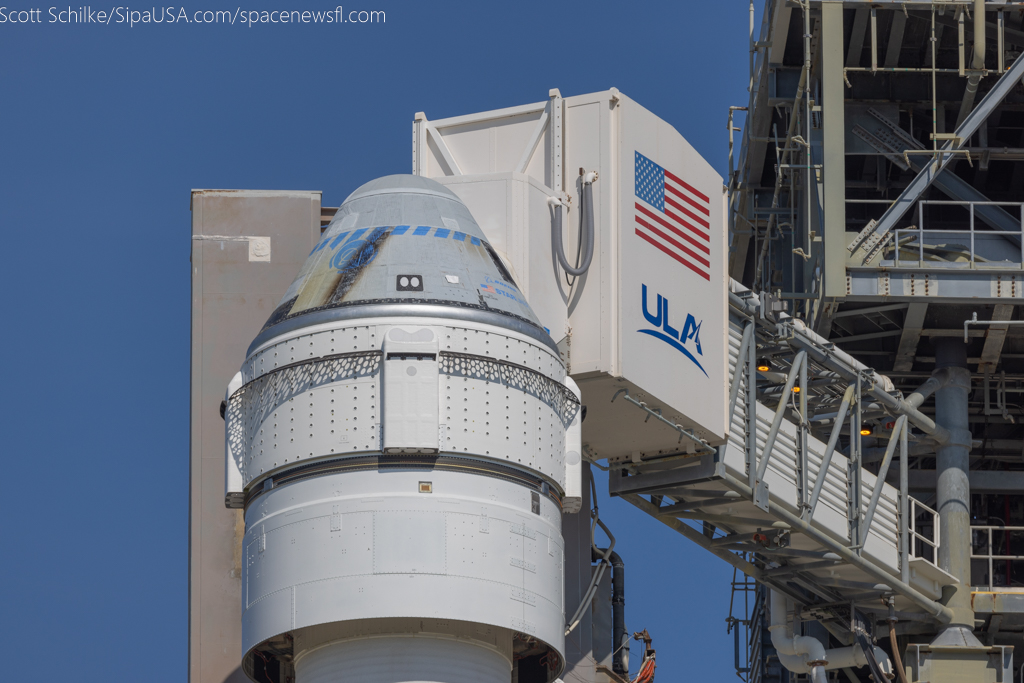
131, 17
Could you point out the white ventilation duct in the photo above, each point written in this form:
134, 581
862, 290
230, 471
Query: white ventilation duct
803, 654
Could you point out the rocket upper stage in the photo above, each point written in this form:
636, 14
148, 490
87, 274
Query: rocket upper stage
408, 243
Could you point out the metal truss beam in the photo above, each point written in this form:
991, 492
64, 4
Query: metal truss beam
940, 612
923, 180
892, 52
995, 338
913, 323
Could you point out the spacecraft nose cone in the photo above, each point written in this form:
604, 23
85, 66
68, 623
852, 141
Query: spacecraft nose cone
409, 244
401, 183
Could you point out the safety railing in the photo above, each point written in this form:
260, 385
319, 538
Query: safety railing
924, 531
919, 247
799, 410
745, 622
997, 556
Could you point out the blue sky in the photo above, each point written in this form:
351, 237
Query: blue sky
104, 129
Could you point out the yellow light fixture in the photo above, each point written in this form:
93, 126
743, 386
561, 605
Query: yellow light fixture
865, 432
796, 390
763, 365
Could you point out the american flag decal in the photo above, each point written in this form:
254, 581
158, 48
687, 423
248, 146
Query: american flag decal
673, 216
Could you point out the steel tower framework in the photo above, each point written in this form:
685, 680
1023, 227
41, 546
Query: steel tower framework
876, 215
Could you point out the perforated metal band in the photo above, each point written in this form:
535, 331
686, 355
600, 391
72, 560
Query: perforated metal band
557, 396
256, 400
249, 406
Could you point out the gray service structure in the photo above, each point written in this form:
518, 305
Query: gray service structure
247, 246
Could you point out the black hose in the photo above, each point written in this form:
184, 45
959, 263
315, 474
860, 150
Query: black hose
620, 660
620, 637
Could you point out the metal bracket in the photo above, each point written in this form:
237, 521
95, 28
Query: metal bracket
761, 495
869, 654
704, 447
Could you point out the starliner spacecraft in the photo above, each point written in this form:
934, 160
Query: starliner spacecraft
403, 438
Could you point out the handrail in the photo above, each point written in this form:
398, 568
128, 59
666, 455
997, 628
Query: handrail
990, 556
780, 412
916, 535
920, 231
901, 424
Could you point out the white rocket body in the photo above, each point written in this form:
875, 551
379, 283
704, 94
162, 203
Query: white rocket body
399, 437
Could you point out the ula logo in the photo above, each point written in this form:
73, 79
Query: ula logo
665, 332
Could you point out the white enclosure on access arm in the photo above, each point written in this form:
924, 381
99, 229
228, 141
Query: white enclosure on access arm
648, 319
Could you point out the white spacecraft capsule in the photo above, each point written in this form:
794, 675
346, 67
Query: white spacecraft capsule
397, 438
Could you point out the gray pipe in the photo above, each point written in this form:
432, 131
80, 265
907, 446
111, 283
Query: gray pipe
938, 380
977, 63
558, 249
953, 488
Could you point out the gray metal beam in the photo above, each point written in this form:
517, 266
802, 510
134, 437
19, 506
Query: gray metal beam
913, 323
761, 496
938, 41
695, 536
804, 340
876, 493
995, 338
869, 309
834, 147
619, 485
923, 180
865, 336
780, 32
857, 34
936, 610
830, 449
892, 51
982, 481
755, 131
887, 137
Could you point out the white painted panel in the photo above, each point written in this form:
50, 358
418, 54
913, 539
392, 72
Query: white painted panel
410, 391
408, 542
590, 306
598, 318
573, 500
472, 551
673, 342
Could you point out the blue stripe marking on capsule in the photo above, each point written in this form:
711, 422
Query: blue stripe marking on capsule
460, 236
475, 241
358, 233
400, 230
421, 230
337, 240
442, 233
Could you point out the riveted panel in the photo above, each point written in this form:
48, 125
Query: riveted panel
333, 418
512, 409
410, 391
